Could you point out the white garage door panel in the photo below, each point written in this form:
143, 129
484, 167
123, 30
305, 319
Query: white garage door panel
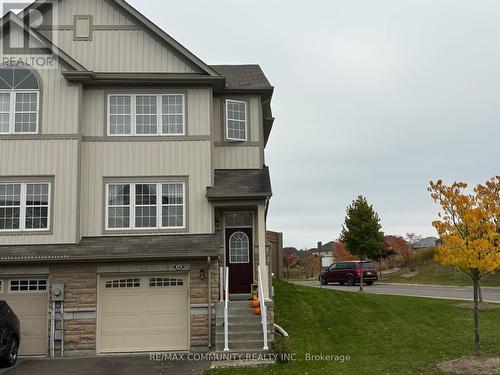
143, 318
31, 309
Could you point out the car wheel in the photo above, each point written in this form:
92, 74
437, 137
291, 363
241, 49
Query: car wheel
323, 280
10, 357
349, 280
369, 283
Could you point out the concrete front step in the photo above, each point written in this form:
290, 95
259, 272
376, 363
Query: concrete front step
239, 304
247, 345
241, 336
241, 312
239, 319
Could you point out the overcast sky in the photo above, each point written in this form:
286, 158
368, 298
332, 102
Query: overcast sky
372, 97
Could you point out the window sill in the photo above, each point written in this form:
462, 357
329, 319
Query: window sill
26, 233
142, 232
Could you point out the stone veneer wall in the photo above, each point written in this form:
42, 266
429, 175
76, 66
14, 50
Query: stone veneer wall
80, 305
199, 303
80, 289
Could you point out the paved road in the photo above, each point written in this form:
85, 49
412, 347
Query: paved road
430, 291
106, 366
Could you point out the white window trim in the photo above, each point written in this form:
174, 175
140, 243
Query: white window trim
1, 286
159, 116
248, 249
12, 110
9, 291
22, 215
159, 206
245, 121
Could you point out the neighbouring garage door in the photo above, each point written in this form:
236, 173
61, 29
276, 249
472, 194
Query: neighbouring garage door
28, 298
143, 313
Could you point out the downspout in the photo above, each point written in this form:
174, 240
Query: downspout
209, 264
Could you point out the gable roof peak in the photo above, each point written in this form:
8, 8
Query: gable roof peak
149, 25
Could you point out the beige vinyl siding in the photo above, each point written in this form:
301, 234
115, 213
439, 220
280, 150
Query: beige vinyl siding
255, 118
234, 155
57, 158
60, 103
237, 157
198, 110
101, 10
123, 51
146, 159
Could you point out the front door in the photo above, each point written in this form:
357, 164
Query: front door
239, 255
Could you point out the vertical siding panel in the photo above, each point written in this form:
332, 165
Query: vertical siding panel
237, 157
175, 158
122, 50
43, 158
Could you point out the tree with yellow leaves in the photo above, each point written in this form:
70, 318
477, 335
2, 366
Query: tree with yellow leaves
469, 227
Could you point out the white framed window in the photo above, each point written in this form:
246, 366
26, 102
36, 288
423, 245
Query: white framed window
239, 248
131, 282
146, 114
1, 286
25, 206
164, 281
19, 101
236, 120
144, 206
27, 285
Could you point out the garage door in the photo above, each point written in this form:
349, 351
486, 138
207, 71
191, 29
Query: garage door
28, 299
143, 313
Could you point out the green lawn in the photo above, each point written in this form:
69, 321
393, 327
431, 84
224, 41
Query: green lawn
433, 272
384, 335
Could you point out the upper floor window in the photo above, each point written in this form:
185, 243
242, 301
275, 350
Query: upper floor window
24, 206
145, 206
144, 115
236, 120
19, 100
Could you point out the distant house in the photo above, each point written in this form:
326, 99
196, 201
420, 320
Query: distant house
332, 251
326, 249
426, 243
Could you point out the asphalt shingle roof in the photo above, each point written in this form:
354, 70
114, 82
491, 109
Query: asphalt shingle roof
241, 183
116, 248
243, 76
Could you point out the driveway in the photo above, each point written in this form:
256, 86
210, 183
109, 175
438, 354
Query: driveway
105, 366
429, 291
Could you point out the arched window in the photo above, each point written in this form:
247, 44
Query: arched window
239, 246
19, 100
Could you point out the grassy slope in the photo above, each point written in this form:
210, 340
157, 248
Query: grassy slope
434, 273
384, 335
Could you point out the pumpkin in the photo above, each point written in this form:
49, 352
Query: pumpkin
257, 310
254, 304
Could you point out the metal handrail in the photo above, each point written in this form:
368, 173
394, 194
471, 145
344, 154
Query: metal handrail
263, 309
221, 284
226, 312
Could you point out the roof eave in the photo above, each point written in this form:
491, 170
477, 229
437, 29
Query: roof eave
236, 197
96, 78
93, 259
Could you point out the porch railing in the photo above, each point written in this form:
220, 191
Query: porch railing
226, 310
263, 310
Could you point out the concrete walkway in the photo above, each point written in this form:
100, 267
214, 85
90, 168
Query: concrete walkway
141, 365
416, 290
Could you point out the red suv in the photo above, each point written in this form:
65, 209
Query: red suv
349, 273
